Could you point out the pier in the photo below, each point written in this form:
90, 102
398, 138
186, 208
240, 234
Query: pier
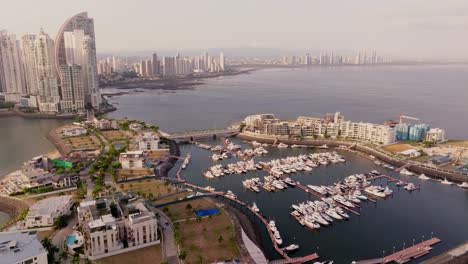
406, 254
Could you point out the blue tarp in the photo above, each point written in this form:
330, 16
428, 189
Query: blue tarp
201, 213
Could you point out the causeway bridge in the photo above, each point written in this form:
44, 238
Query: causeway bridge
205, 134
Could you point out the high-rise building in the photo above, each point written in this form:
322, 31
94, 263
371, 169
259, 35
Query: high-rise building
222, 61
72, 87
155, 64
49, 97
169, 66
75, 46
12, 77
30, 66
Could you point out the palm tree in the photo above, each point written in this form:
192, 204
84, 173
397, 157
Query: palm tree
63, 255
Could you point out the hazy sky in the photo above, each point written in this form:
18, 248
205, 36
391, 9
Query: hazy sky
412, 28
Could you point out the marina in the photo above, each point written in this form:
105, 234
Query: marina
292, 232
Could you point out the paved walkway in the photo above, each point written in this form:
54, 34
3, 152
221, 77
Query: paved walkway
255, 253
169, 246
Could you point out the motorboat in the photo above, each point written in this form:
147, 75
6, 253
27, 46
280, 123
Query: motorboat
446, 182
410, 187
208, 174
282, 145
401, 184
423, 177
291, 247
255, 208
464, 185
406, 172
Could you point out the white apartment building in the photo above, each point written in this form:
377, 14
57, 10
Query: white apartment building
435, 135
30, 65
375, 133
148, 141
44, 212
74, 131
142, 228
73, 94
104, 234
132, 159
21, 248
11, 67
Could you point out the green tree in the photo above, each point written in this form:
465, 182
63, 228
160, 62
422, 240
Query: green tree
75, 259
63, 255
188, 206
60, 222
220, 239
182, 255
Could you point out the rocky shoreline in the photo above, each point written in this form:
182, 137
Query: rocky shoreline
13, 207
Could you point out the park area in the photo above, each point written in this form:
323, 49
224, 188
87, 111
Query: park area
113, 135
83, 142
399, 147
126, 174
151, 254
203, 240
149, 188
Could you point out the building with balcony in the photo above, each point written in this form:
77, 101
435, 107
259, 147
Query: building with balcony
132, 159
44, 212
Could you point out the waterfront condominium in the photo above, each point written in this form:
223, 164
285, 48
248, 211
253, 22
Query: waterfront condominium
11, 67
72, 86
75, 46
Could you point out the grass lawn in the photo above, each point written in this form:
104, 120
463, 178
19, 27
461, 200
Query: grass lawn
173, 197
458, 143
210, 240
153, 186
123, 174
151, 254
423, 158
179, 211
113, 135
398, 147
43, 234
83, 142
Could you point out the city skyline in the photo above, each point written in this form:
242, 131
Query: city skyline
397, 29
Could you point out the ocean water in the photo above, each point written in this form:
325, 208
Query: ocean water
437, 95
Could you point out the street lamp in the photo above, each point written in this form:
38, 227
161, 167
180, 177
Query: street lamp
413, 241
404, 245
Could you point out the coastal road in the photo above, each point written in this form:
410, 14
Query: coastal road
169, 247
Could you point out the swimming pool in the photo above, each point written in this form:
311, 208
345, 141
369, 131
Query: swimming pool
71, 239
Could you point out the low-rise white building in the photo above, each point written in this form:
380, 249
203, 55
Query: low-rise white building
21, 248
105, 124
135, 126
44, 212
110, 223
435, 135
132, 159
413, 153
148, 141
375, 133
74, 131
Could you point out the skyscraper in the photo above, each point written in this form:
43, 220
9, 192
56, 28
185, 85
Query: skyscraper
155, 64
221, 61
75, 45
30, 66
49, 97
11, 67
72, 87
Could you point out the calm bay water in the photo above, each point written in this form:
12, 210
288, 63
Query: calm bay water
22, 139
435, 94
435, 209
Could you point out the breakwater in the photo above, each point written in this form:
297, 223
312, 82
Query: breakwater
13, 207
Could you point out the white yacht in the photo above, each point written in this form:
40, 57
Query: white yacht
406, 172
423, 177
291, 247
282, 145
464, 185
255, 207
446, 182
208, 174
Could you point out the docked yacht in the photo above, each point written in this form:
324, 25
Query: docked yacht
208, 174
464, 185
410, 187
406, 172
282, 145
322, 147
231, 195
401, 183
446, 182
291, 247
255, 208
423, 177
289, 182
